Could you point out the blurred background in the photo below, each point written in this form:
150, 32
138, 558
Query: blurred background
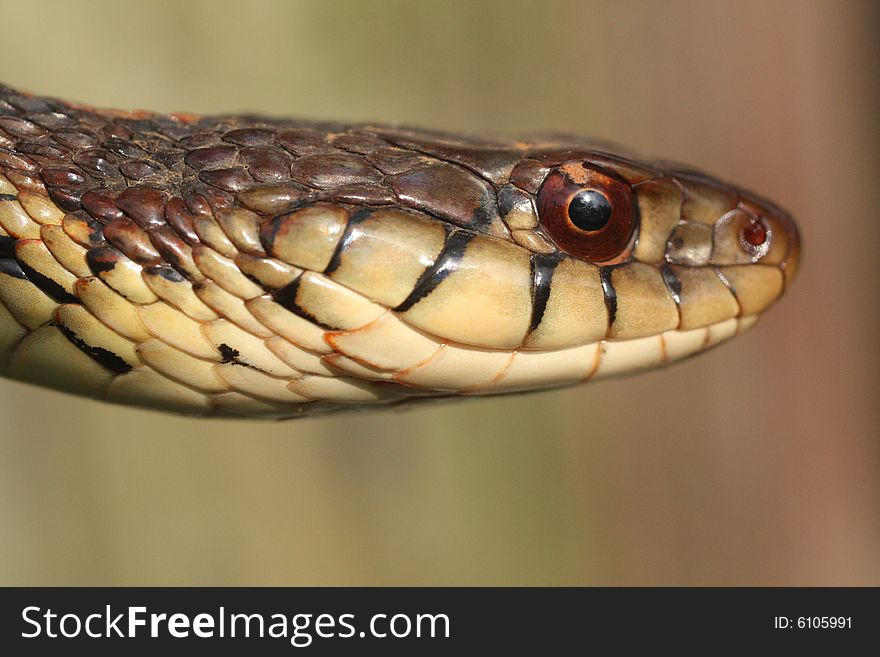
758, 463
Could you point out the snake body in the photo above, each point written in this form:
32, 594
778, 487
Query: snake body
247, 266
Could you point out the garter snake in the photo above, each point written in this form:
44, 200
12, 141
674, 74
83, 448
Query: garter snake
247, 266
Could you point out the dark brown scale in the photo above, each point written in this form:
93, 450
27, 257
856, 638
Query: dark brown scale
359, 195
229, 180
101, 206
528, 175
170, 159
98, 162
303, 141
197, 204
175, 251
66, 199
355, 142
198, 140
179, 217
250, 137
266, 165
150, 143
133, 241
449, 192
28, 104
53, 120
116, 130
333, 170
212, 157
64, 177
492, 163
21, 127
394, 160
171, 126
75, 138
217, 199
124, 148
48, 152
139, 170
143, 204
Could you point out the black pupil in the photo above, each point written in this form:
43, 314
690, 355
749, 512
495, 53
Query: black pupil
589, 210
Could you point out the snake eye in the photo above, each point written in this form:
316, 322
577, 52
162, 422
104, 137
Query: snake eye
588, 212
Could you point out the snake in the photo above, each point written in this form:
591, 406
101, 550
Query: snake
250, 266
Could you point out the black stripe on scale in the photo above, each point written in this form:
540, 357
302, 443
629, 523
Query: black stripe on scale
286, 297
543, 265
103, 357
7, 247
609, 292
48, 285
228, 354
348, 236
672, 283
8, 197
446, 263
10, 267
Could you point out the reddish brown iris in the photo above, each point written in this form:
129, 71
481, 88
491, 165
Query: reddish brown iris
755, 233
588, 212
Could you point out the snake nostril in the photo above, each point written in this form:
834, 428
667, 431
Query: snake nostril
755, 237
755, 233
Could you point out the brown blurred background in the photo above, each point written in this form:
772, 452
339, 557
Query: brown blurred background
754, 464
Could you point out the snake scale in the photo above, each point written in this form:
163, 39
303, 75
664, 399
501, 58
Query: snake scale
248, 266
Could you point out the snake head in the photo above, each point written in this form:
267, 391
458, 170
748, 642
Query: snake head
250, 266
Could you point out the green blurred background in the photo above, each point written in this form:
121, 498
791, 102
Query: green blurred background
754, 464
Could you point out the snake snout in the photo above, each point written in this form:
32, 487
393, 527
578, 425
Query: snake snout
771, 235
791, 262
